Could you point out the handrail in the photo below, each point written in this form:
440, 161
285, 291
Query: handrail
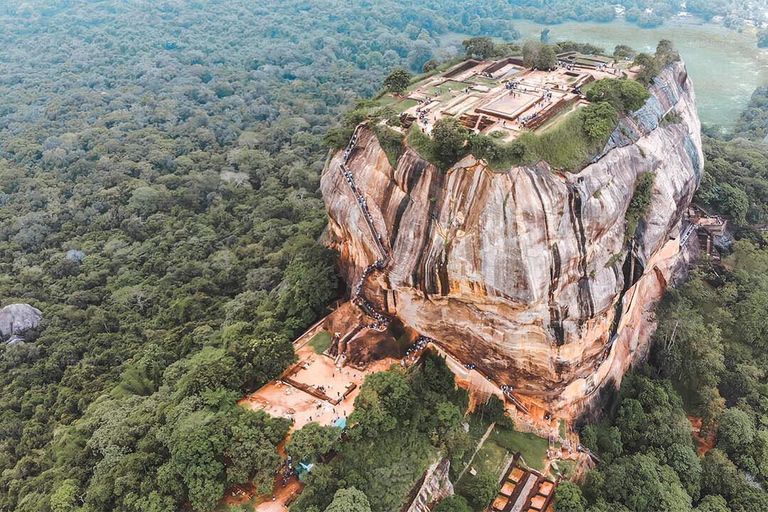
382, 322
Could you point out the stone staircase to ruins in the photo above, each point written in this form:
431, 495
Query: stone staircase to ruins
381, 320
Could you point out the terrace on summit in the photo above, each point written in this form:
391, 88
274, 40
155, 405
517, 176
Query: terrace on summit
503, 95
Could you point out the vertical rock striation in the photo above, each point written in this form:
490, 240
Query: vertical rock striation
527, 273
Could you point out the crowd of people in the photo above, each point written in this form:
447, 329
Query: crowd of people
414, 352
423, 114
381, 322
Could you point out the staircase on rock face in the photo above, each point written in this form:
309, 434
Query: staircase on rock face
381, 321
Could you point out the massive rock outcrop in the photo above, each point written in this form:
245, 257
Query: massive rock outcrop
527, 273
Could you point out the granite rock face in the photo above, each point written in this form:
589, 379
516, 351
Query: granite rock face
528, 273
16, 319
435, 486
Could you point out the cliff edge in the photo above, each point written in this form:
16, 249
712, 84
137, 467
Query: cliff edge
528, 273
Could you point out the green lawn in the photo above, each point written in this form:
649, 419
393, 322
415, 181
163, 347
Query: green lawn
567, 467
491, 82
398, 104
558, 117
532, 448
500, 445
321, 342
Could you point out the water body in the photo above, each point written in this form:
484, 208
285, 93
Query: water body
725, 66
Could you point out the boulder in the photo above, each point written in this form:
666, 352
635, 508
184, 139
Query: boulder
16, 319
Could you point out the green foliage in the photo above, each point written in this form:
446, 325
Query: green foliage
599, 120
481, 490
647, 442
710, 344
666, 53
638, 205
64, 498
262, 358
493, 411
446, 146
604, 440
449, 138
686, 348
575, 46
719, 475
398, 80
736, 432
401, 420
539, 55
753, 122
498, 155
391, 142
733, 172
567, 145
478, 47
321, 342
712, 503
310, 283
349, 500
624, 52
186, 169
624, 95
453, 503
568, 498
649, 68
652, 64
386, 398
311, 441
644, 485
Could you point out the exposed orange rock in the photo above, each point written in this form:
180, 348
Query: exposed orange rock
526, 273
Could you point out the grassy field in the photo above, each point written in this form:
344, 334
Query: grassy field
491, 458
321, 342
532, 448
490, 82
567, 467
498, 448
558, 118
564, 146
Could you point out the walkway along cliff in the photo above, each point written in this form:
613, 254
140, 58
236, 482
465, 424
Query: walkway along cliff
527, 273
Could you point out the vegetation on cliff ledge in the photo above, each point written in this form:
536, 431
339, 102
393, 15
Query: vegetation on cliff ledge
707, 364
567, 145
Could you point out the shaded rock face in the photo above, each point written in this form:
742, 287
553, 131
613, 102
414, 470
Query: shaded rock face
527, 273
435, 486
16, 319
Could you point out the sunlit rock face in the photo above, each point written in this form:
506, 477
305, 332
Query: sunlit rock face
16, 319
527, 273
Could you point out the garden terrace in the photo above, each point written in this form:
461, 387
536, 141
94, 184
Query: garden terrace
501, 95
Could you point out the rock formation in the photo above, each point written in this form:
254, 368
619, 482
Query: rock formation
527, 273
434, 487
16, 319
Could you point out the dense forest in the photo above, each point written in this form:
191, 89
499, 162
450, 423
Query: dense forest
435, 17
159, 204
159, 169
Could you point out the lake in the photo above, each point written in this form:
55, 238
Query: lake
725, 66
